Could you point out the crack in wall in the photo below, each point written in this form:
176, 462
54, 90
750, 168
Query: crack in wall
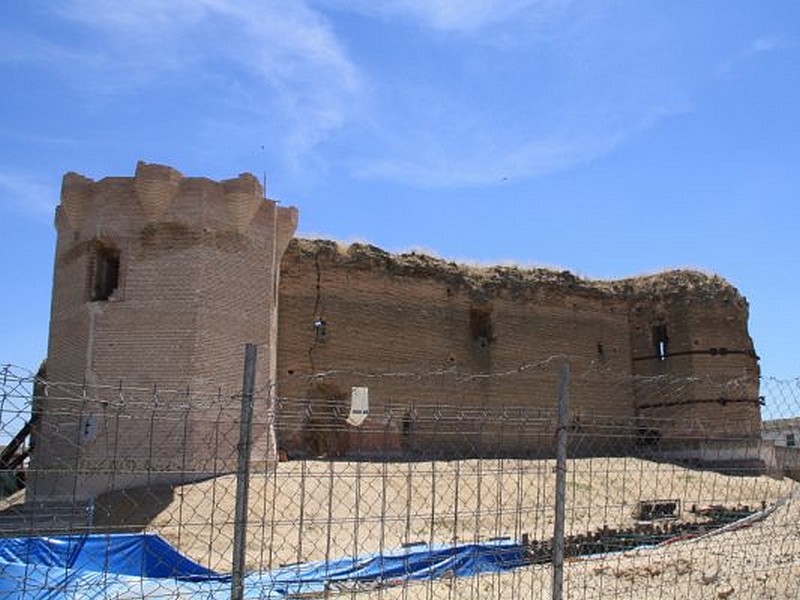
317, 316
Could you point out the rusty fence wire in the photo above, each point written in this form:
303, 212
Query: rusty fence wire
688, 491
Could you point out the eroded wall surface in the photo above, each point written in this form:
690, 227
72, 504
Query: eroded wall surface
396, 316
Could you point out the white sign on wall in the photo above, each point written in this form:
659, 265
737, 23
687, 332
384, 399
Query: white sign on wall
359, 406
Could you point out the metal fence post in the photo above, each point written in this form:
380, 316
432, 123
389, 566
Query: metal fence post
243, 472
561, 480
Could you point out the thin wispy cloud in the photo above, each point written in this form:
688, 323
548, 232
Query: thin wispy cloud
588, 99
26, 48
463, 167
277, 58
757, 47
454, 165
27, 195
283, 69
467, 16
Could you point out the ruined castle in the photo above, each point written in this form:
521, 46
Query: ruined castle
161, 279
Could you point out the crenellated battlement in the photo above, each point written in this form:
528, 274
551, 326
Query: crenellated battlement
76, 195
156, 187
160, 194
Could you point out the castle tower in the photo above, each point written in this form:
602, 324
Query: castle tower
159, 282
699, 373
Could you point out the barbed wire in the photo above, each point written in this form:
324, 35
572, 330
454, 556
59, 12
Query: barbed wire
11, 373
425, 467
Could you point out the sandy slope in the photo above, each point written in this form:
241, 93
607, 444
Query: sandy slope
312, 510
297, 515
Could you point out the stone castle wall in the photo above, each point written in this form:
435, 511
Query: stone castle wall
160, 280
709, 349
415, 314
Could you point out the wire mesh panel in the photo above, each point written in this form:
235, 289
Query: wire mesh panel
687, 490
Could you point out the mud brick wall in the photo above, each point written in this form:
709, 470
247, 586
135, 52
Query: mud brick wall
187, 264
708, 377
161, 279
414, 314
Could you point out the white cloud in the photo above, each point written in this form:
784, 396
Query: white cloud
443, 156
584, 104
283, 58
454, 166
758, 46
471, 120
764, 44
27, 195
536, 86
466, 16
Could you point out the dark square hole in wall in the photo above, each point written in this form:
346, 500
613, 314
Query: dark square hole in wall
648, 437
105, 273
480, 325
408, 423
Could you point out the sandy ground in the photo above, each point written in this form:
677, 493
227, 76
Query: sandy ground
761, 562
312, 510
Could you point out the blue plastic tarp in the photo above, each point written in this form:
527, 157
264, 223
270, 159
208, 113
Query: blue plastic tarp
145, 565
145, 555
93, 566
390, 568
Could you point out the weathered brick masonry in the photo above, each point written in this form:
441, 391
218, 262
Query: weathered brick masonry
411, 313
160, 280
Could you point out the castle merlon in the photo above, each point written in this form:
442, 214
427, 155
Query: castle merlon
159, 194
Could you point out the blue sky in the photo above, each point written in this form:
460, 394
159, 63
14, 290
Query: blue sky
607, 137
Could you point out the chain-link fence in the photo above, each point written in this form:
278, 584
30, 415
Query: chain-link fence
672, 487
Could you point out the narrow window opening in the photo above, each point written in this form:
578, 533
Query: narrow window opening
790, 441
105, 278
480, 325
661, 341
